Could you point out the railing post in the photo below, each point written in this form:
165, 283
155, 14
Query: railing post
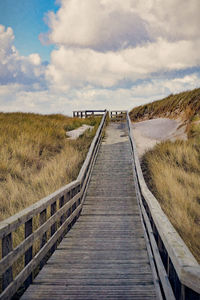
68, 196
29, 252
73, 206
61, 203
6, 248
43, 218
54, 226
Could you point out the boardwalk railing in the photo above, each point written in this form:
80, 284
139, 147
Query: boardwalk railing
118, 115
55, 214
179, 264
87, 113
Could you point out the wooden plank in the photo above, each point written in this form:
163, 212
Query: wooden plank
43, 217
6, 249
29, 253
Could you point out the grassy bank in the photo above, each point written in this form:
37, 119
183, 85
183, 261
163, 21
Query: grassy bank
185, 105
37, 158
172, 169
172, 172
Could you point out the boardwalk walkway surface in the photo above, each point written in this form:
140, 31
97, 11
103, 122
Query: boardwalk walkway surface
104, 255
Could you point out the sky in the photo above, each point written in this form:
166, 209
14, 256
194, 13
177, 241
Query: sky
62, 55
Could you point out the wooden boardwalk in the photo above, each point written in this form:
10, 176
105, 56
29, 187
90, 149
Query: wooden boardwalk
104, 256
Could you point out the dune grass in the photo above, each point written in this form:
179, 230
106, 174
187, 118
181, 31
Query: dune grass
172, 172
185, 105
172, 169
36, 157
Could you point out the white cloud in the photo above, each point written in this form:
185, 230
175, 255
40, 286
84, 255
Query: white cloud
97, 24
35, 59
172, 19
108, 24
77, 67
15, 68
15, 97
104, 42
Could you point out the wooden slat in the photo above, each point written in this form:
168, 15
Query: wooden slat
43, 217
6, 249
29, 252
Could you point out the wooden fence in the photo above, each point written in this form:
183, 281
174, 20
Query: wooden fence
87, 113
118, 115
56, 214
177, 263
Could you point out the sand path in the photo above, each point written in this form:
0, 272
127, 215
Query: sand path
74, 134
148, 133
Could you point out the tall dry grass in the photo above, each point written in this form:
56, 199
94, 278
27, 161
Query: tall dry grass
172, 172
185, 104
36, 158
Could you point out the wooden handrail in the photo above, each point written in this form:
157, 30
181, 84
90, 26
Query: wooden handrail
182, 268
65, 206
118, 114
87, 113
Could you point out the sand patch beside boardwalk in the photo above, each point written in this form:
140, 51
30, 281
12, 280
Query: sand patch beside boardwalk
74, 134
148, 133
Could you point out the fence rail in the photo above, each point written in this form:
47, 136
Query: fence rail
180, 266
56, 214
118, 115
87, 113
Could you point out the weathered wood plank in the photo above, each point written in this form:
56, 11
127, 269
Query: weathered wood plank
6, 249
29, 252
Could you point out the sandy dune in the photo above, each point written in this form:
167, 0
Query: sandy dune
148, 133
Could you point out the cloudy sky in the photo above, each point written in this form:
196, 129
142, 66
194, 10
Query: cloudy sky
56, 56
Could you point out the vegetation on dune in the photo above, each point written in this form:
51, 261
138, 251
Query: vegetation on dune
172, 172
36, 158
186, 105
172, 169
